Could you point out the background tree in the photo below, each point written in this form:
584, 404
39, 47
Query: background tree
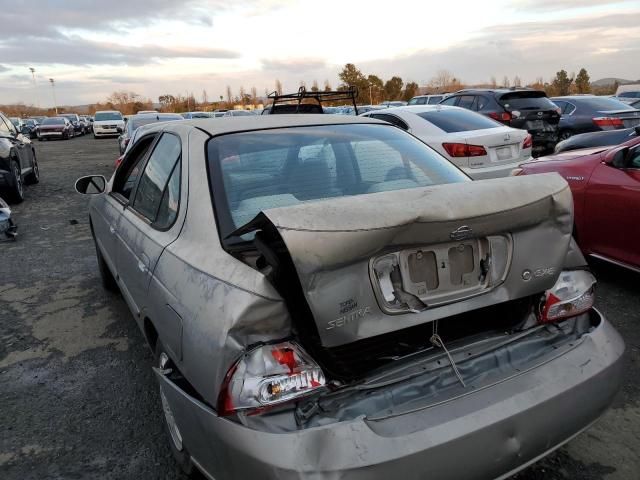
583, 84
229, 95
505, 82
278, 87
393, 88
205, 97
314, 86
327, 86
376, 88
167, 102
562, 83
243, 94
516, 81
493, 82
351, 76
254, 96
441, 81
410, 91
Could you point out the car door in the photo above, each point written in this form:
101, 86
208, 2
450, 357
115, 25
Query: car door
107, 210
613, 210
21, 147
145, 227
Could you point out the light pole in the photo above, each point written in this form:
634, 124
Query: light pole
35, 87
53, 89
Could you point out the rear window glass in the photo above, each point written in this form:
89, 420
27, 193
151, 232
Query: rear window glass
255, 171
603, 104
53, 121
101, 116
526, 101
458, 120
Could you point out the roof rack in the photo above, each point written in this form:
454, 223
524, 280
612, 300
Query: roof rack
351, 93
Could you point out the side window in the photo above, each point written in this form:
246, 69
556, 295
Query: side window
168, 210
422, 101
481, 102
155, 177
466, 101
569, 109
449, 101
434, 100
413, 101
634, 161
128, 173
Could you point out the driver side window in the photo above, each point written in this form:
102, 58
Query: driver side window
634, 158
129, 172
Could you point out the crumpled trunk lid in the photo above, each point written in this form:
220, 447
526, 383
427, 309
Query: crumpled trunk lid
377, 263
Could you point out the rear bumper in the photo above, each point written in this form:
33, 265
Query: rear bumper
489, 433
50, 134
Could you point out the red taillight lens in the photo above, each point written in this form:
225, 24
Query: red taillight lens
572, 295
464, 150
500, 116
528, 142
269, 375
118, 161
608, 123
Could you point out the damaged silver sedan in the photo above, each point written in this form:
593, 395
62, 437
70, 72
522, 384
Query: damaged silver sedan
330, 298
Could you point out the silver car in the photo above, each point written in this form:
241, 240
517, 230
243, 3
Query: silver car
328, 297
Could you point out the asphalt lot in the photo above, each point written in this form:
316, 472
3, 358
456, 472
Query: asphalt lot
77, 395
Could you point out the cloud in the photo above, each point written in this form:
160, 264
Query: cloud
79, 51
3, 69
530, 50
294, 66
557, 5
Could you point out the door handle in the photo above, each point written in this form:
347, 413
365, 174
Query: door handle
111, 229
142, 267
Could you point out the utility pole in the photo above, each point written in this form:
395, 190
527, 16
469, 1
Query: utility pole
35, 87
53, 89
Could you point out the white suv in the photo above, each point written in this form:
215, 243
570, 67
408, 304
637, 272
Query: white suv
107, 123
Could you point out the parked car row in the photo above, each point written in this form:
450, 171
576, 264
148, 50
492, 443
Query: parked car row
336, 281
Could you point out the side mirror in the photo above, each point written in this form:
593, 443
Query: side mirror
91, 185
619, 159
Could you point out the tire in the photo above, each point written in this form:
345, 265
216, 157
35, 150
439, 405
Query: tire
33, 177
564, 134
16, 190
108, 280
179, 451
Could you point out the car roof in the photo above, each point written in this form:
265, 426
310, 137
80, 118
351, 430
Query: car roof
417, 109
214, 126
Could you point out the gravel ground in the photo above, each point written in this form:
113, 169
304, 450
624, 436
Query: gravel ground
77, 395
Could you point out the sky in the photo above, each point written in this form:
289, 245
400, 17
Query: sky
92, 48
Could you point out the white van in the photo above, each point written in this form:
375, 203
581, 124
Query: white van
107, 122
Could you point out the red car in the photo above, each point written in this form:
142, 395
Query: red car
605, 182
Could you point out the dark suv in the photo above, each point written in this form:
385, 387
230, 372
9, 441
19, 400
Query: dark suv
523, 108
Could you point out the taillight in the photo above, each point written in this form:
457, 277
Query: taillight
528, 141
608, 123
269, 375
500, 116
572, 295
464, 150
118, 161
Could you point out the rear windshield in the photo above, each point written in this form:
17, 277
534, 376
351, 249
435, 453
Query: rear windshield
533, 100
254, 171
53, 121
138, 122
604, 104
458, 120
107, 116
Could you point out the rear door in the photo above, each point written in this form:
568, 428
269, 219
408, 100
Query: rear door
612, 204
106, 213
148, 225
530, 110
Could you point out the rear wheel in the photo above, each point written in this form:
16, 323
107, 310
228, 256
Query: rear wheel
176, 444
16, 191
34, 176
